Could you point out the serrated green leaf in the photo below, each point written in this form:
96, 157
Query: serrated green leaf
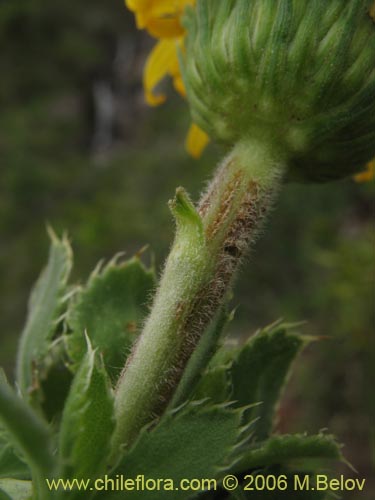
45, 308
214, 385
290, 448
16, 489
225, 355
87, 422
260, 371
11, 465
194, 442
110, 309
202, 355
27, 431
291, 493
55, 381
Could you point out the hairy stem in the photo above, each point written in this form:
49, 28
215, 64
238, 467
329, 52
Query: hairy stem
209, 245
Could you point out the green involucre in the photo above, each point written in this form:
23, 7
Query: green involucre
297, 72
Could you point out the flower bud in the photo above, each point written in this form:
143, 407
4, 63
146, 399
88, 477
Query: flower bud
299, 74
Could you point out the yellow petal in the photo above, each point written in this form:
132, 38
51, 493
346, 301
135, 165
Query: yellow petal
166, 7
368, 174
157, 66
161, 18
174, 67
164, 27
372, 11
137, 4
196, 141
175, 71
163, 8
179, 85
141, 9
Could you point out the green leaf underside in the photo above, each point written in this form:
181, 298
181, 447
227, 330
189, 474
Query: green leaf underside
45, 308
260, 371
87, 421
195, 442
110, 309
27, 430
290, 448
15, 490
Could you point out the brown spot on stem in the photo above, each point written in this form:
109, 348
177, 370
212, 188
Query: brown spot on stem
225, 206
131, 326
200, 312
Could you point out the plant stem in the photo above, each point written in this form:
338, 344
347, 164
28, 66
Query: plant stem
209, 245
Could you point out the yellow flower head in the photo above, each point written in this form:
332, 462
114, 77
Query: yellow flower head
162, 19
368, 174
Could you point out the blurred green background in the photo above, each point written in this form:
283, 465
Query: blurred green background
81, 151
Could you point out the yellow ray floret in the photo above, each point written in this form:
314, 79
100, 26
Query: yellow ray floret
162, 61
162, 19
196, 141
372, 11
368, 174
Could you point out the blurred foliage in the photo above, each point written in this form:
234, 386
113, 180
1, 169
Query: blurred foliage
81, 151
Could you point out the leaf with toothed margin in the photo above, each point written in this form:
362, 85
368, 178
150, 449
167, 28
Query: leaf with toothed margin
45, 307
196, 441
110, 309
285, 449
13, 489
260, 371
26, 430
87, 421
55, 380
11, 464
215, 385
292, 491
286, 456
